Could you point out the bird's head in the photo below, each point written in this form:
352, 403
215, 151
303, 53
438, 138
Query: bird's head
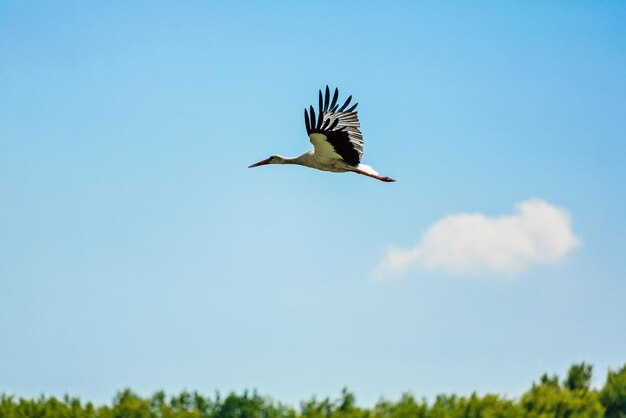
274, 159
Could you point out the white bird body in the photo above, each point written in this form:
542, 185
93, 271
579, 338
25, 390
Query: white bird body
336, 139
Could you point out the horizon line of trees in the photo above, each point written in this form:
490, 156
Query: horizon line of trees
571, 397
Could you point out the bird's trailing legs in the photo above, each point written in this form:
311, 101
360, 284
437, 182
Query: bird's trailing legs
374, 176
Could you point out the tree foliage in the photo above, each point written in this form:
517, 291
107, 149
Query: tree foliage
574, 397
613, 394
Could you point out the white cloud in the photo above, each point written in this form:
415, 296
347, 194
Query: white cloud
464, 243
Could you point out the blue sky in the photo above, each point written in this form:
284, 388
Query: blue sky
137, 250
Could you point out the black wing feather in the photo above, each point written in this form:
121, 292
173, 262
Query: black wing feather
306, 120
345, 104
331, 127
334, 102
326, 99
320, 103
313, 117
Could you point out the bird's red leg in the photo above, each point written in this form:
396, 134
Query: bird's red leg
374, 176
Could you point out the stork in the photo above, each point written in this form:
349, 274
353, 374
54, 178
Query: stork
336, 138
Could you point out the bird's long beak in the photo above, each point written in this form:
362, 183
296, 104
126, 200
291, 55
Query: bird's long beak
260, 163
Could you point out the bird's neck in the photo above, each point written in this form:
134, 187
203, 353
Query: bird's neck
299, 160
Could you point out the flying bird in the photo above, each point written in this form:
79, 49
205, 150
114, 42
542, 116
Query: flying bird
336, 137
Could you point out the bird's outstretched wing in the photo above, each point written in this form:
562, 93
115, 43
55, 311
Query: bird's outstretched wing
335, 126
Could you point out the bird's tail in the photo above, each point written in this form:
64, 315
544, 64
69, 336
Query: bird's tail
367, 169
